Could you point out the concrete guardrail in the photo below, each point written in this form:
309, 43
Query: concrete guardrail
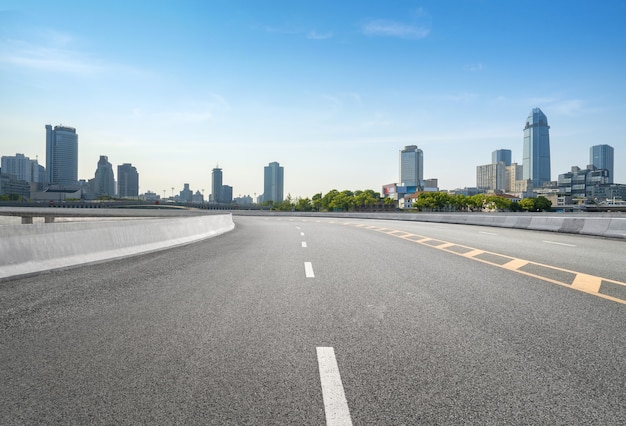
609, 225
33, 248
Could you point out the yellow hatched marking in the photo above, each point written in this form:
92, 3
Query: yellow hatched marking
515, 264
472, 253
445, 246
587, 283
582, 282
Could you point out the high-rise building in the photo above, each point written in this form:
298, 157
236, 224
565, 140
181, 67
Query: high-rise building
536, 160
491, 177
273, 183
22, 167
503, 155
411, 166
62, 156
127, 181
226, 194
186, 195
104, 181
601, 156
216, 185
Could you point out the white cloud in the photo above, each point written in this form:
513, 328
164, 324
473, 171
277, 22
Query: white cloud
381, 27
46, 58
314, 35
475, 67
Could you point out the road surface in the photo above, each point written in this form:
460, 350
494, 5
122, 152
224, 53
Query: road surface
321, 321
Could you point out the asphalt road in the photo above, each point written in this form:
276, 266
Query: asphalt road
238, 329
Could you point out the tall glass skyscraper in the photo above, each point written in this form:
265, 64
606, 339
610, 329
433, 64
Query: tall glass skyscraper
62, 156
536, 160
411, 166
273, 183
501, 155
601, 156
216, 185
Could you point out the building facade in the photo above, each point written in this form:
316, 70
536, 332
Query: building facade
104, 180
536, 156
491, 177
601, 156
501, 155
127, 181
22, 167
186, 195
411, 166
62, 156
578, 183
216, 185
273, 183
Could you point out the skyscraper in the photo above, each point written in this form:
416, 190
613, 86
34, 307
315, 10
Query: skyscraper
216, 185
62, 156
411, 166
127, 181
601, 156
273, 183
104, 181
503, 155
536, 160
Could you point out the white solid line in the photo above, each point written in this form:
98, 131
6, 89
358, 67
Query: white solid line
303, 243
560, 244
335, 403
486, 233
308, 270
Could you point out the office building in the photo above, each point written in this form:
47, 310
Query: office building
186, 195
491, 177
21, 167
273, 183
501, 155
216, 185
226, 194
536, 157
411, 166
578, 183
127, 181
601, 156
104, 180
62, 156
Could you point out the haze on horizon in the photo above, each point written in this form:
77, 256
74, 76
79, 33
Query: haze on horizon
330, 90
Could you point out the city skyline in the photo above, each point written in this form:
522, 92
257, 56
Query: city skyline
331, 90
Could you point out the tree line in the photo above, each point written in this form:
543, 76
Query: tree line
347, 200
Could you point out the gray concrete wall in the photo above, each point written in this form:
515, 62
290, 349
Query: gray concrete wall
29, 249
610, 225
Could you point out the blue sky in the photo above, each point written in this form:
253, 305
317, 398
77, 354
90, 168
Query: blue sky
332, 90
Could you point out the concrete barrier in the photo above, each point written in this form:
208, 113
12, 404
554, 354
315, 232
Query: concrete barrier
29, 249
610, 225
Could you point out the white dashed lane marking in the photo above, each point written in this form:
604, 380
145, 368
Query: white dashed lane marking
335, 403
308, 270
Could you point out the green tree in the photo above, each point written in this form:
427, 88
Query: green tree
543, 203
528, 204
304, 205
316, 201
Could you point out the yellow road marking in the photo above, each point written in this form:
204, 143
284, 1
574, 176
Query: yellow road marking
586, 283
